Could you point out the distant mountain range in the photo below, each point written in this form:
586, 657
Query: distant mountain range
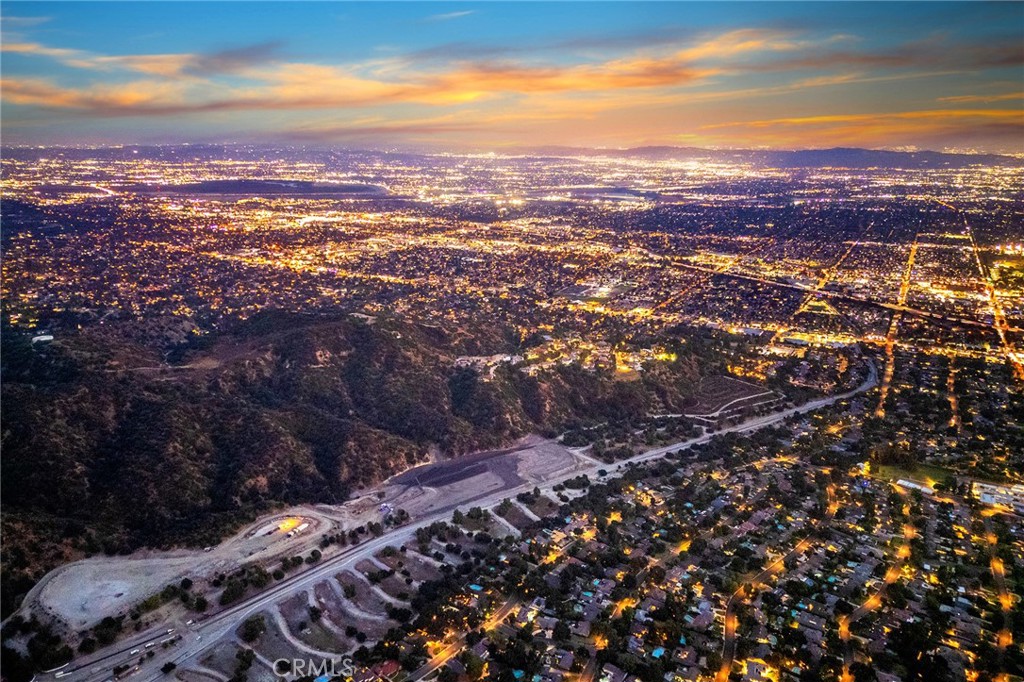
836, 157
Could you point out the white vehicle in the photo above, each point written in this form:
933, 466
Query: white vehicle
134, 651
170, 630
151, 645
189, 621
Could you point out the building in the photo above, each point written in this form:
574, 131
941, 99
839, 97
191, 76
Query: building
1010, 496
927, 490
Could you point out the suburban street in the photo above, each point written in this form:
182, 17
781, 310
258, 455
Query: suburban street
731, 621
455, 647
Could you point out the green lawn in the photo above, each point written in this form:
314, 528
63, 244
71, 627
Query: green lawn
920, 474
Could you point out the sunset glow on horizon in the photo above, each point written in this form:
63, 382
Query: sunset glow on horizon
494, 76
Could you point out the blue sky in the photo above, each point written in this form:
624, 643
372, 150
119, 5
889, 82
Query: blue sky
498, 75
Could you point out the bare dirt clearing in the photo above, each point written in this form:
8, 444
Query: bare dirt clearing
82, 593
87, 590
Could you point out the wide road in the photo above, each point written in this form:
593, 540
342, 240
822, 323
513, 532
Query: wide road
208, 630
917, 312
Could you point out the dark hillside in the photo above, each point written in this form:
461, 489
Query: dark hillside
104, 450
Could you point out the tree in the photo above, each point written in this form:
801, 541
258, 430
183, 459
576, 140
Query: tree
233, 591
167, 667
474, 665
252, 628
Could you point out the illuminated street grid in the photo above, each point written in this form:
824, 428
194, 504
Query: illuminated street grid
758, 557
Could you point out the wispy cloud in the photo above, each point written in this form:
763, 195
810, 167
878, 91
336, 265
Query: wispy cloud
448, 16
661, 84
926, 128
101, 99
826, 119
984, 99
291, 85
273, 83
235, 59
167, 65
7, 21
929, 52
40, 50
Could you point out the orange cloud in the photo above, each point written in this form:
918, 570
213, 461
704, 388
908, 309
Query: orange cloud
895, 128
166, 65
984, 99
174, 65
740, 41
284, 85
602, 98
311, 86
38, 49
635, 72
934, 114
101, 98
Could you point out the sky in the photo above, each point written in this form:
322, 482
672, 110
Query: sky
493, 76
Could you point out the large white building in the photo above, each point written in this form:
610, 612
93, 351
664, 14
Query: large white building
1010, 496
926, 489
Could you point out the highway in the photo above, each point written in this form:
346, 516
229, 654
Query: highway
207, 631
999, 318
894, 324
897, 307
